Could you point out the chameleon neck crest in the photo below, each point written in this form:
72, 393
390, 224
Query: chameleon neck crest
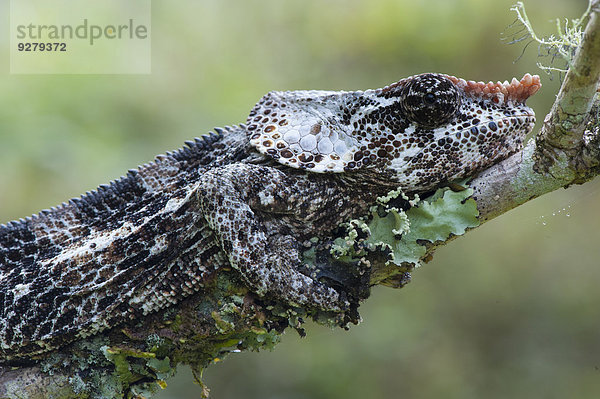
426, 128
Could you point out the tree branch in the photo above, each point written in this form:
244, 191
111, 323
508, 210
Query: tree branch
134, 361
564, 126
565, 151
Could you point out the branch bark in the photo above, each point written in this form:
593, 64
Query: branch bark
134, 361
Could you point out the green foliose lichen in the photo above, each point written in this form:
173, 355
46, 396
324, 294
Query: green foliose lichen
401, 234
134, 368
437, 218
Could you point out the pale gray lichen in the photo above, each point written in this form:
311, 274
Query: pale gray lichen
562, 45
344, 246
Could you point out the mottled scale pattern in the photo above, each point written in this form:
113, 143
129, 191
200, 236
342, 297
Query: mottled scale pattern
245, 197
407, 126
127, 248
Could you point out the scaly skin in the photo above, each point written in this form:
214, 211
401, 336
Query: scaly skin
245, 197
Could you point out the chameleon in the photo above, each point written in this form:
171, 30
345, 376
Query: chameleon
244, 197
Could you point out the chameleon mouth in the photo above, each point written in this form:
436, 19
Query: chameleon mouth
517, 91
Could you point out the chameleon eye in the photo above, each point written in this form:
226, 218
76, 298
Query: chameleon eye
430, 100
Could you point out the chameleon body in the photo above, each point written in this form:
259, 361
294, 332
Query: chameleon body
244, 197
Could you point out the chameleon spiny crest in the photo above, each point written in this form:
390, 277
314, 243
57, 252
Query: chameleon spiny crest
244, 197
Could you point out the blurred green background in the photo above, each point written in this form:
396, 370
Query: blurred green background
509, 311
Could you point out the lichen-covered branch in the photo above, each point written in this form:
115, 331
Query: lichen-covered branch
564, 126
135, 360
565, 151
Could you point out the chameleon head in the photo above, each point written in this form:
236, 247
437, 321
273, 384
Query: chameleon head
426, 129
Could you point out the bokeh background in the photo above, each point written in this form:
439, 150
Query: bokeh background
509, 311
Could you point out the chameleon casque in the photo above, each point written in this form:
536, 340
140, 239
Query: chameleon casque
244, 197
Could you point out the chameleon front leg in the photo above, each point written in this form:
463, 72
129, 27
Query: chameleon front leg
229, 197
